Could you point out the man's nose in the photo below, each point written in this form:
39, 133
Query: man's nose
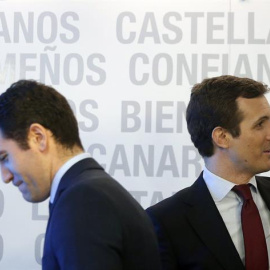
7, 176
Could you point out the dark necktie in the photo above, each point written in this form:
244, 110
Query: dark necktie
256, 256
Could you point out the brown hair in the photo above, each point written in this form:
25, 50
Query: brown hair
213, 103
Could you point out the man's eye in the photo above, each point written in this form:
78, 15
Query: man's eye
260, 124
3, 157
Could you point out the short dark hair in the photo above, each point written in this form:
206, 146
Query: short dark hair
213, 103
26, 102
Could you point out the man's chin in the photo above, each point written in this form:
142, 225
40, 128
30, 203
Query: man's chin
33, 199
264, 170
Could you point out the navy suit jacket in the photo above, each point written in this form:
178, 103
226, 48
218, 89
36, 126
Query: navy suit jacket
95, 224
191, 232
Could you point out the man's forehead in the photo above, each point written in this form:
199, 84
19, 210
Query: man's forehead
254, 108
253, 103
6, 143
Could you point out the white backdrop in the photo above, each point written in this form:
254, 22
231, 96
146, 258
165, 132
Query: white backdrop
127, 68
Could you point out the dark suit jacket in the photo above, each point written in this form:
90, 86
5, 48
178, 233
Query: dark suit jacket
191, 232
95, 224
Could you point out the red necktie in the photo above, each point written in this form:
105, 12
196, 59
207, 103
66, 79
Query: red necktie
255, 245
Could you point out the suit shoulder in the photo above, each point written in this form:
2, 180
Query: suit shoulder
171, 204
99, 191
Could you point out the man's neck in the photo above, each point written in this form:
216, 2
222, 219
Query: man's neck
227, 170
61, 156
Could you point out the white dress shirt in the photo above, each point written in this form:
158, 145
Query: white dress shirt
58, 176
229, 205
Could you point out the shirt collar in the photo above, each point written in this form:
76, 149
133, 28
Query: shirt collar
219, 187
63, 169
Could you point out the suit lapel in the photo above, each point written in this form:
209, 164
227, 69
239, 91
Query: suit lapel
263, 184
208, 223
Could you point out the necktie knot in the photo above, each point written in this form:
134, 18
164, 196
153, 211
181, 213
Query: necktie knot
243, 191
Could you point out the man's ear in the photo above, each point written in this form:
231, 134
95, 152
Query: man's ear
38, 135
221, 137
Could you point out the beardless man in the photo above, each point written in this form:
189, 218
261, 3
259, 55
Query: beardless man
203, 226
94, 223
